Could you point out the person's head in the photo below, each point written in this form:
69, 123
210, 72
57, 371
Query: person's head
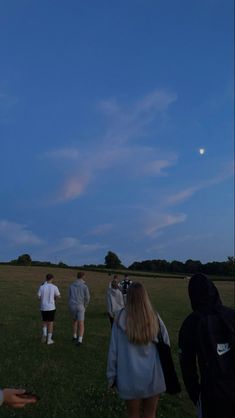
114, 284
203, 294
126, 277
80, 275
141, 320
49, 277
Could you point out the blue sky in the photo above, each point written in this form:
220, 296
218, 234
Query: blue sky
103, 108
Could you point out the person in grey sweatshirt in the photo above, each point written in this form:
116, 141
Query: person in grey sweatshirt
134, 367
115, 301
79, 298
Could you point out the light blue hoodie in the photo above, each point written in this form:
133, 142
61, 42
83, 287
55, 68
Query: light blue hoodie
79, 295
134, 369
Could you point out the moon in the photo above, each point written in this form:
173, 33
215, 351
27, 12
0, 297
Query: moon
202, 151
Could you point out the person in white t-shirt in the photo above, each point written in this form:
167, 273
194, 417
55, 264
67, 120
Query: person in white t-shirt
47, 294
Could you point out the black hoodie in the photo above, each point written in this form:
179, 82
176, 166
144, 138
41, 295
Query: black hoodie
207, 337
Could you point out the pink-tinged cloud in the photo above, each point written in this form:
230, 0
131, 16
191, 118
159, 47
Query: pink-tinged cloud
182, 195
73, 188
163, 220
124, 124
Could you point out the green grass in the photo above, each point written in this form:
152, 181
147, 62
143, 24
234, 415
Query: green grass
71, 381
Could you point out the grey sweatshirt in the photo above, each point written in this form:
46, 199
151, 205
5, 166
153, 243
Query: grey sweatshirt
115, 301
135, 369
79, 295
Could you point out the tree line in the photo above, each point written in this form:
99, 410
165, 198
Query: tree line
112, 261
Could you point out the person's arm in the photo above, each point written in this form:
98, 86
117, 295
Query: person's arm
164, 331
11, 397
57, 293
109, 304
112, 357
39, 294
188, 359
86, 296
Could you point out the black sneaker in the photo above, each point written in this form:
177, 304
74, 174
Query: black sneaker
74, 339
78, 344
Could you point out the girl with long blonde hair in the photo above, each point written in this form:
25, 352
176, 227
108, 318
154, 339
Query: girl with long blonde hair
134, 366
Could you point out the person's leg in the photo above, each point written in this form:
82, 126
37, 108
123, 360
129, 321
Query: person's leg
150, 406
49, 332
75, 329
80, 331
44, 331
133, 408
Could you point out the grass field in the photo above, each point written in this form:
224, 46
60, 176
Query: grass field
71, 381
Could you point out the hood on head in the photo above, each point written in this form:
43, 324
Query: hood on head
203, 294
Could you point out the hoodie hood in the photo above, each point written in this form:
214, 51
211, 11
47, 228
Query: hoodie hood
78, 282
203, 294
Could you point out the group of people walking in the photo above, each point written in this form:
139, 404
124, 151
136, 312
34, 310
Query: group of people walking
78, 300
206, 349
134, 366
116, 296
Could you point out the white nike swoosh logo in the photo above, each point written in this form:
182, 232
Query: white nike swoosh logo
221, 352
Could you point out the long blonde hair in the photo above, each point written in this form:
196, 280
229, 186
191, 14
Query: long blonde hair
141, 320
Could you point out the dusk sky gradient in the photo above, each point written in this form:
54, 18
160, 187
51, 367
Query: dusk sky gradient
104, 106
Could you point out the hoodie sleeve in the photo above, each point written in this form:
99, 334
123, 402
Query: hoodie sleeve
86, 296
109, 303
164, 331
112, 356
188, 358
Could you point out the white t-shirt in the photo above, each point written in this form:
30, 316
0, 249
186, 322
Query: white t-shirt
47, 293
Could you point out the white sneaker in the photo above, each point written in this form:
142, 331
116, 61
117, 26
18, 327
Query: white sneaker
50, 342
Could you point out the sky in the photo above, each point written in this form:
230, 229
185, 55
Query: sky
104, 106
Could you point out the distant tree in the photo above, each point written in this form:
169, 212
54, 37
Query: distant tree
230, 264
135, 266
24, 260
112, 261
62, 265
177, 266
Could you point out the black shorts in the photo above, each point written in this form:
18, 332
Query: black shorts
48, 316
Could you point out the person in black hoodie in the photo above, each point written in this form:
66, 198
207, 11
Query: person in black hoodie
207, 346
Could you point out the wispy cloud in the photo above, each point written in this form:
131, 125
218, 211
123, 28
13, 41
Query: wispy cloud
15, 234
68, 249
125, 123
129, 122
183, 195
72, 188
180, 240
157, 167
71, 243
159, 221
101, 229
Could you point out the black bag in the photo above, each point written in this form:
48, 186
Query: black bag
172, 383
